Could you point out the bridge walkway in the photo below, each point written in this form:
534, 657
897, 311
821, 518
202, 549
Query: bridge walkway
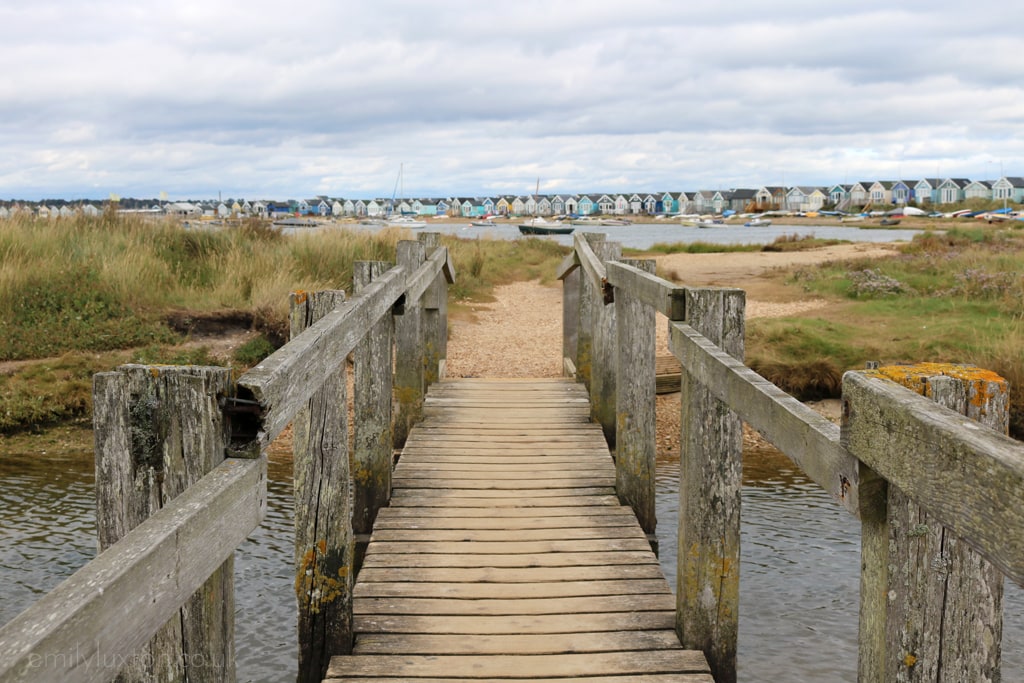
505, 553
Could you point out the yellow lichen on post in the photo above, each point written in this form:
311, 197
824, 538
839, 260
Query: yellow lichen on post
985, 386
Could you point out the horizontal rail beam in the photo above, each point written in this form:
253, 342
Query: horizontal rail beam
286, 379
592, 265
567, 266
803, 435
90, 625
420, 281
650, 289
968, 476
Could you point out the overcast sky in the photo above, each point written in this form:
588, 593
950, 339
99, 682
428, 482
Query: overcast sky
268, 99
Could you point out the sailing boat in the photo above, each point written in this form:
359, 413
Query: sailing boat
401, 221
538, 226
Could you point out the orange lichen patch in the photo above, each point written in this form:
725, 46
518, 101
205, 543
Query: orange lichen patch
984, 385
300, 296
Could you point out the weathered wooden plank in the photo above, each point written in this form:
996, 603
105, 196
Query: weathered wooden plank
638, 678
285, 380
497, 535
802, 434
512, 547
372, 430
512, 591
663, 296
324, 542
974, 477
418, 498
148, 575
523, 666
429, 514
508, 575
710, 479
635, 418
590, 293
571, 288
453, 482
513, 624
515, 497
378, 558
497, 606
435, 312
503, 523
551, 643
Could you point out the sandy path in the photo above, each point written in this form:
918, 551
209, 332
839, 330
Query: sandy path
520, 333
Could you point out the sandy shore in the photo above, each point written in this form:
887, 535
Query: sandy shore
520, 333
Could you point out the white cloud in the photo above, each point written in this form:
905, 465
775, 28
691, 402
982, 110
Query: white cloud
328, 98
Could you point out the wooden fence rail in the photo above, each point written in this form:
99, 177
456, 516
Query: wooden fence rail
968, 479
164, 433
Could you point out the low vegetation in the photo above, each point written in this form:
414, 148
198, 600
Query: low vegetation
791, 242
80, 296
953, 297
84, 295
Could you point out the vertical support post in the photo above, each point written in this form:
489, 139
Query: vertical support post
604, 351
372, 428
435, 317
590, 299
158, 430
324, 547
571, 285
409, 354
635, 419
710, 480
933, 609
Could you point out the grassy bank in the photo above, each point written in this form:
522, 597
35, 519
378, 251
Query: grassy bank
88, 294
957, 297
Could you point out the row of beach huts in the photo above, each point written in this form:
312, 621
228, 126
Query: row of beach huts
842, 197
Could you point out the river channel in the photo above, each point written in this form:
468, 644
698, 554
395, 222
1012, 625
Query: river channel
800, 551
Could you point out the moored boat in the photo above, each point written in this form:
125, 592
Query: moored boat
545, 228
758, 222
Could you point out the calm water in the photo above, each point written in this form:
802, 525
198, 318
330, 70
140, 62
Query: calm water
799, 573
643, 235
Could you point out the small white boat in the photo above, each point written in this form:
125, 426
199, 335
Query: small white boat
405, 222
758, 223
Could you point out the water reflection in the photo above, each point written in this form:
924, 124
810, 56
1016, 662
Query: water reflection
799, 571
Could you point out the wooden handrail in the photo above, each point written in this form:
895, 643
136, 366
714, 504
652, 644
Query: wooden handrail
969, 477
966, 477
87, 627
805, 436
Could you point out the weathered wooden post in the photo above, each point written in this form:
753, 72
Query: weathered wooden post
158, 430
409, 351
324, 544
710, 480
590, 298
435, 317
635, 446
931, 606
372, 428
569, 274
604, 350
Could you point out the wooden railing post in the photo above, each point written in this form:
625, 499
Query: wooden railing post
604, 351
931, 607
158, 430
571, 285
372, 427
635, 424
409, 350
324, 545
590, 299
710, 479
435, 317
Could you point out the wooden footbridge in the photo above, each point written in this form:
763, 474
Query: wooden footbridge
512, 539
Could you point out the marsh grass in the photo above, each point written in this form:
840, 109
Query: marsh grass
83, 295
957, 297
